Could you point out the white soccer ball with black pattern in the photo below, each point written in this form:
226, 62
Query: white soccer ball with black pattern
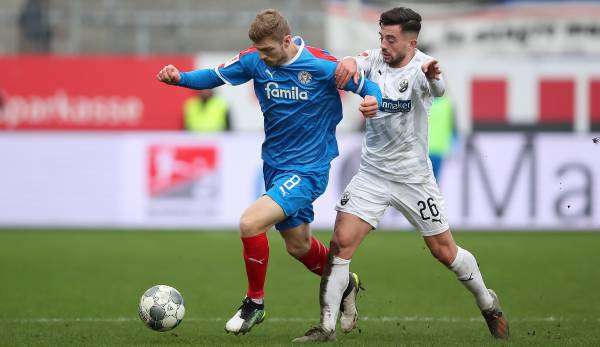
161, 308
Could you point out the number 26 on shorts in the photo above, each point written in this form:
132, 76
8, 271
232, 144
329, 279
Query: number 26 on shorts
433, 210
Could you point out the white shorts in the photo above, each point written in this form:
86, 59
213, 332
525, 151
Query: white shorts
367, 196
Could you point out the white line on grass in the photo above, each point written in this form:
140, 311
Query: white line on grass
295, 319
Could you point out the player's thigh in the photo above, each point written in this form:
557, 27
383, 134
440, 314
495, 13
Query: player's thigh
348, 233
366, 197
260, 216
423, 206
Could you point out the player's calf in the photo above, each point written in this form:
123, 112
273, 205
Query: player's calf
467, 272
316, 257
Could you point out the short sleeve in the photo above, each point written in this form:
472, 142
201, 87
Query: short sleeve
365, 61
237, 70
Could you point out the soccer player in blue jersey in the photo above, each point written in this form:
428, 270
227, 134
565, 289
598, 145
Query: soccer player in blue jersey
296, 89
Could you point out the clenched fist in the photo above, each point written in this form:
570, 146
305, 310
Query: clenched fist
432, 70
169, 75
368, 107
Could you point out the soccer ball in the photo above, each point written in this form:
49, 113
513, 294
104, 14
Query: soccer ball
161, 308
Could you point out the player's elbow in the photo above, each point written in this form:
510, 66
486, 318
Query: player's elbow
439, 93
438, 87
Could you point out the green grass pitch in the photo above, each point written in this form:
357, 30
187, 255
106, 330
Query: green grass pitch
82, 288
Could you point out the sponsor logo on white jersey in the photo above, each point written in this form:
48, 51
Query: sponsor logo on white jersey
294, 93
395, 106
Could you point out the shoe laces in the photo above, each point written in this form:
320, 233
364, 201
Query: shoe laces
492, 315
313, 330
248, 307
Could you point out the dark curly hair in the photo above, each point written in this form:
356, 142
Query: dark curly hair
409, 20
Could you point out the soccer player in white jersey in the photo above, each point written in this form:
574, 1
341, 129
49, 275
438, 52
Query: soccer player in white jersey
395, 170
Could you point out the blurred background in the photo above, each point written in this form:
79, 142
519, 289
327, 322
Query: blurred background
91, 141
89, 138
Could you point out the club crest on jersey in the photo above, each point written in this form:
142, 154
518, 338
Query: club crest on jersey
345, 198
395, 106
274, 91
304, 77
403, 85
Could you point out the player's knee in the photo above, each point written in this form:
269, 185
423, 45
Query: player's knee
342, 241
297, 248
249, 226
443, 254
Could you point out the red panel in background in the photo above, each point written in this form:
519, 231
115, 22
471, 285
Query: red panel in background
557, 101
595, 101
170, 166
90, 93
489, 100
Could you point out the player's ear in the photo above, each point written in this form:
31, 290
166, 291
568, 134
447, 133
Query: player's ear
412, 40
287, 41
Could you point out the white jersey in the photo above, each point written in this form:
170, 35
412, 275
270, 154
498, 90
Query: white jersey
395, 145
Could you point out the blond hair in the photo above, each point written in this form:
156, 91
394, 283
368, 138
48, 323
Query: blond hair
269, 24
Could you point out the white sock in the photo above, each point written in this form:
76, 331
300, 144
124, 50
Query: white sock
331, 295
466, 270
258, 301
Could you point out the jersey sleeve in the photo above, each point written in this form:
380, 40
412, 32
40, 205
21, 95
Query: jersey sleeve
364, 61
200, 79
239, 69
428, 87
235, 71
364, 87
328, 64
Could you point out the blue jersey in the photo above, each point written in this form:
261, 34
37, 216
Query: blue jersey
299, 100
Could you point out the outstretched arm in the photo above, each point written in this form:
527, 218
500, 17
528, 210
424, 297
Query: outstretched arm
433, 73
198, 79
233, 72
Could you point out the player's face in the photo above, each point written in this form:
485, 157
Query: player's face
273, 52
395, 44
